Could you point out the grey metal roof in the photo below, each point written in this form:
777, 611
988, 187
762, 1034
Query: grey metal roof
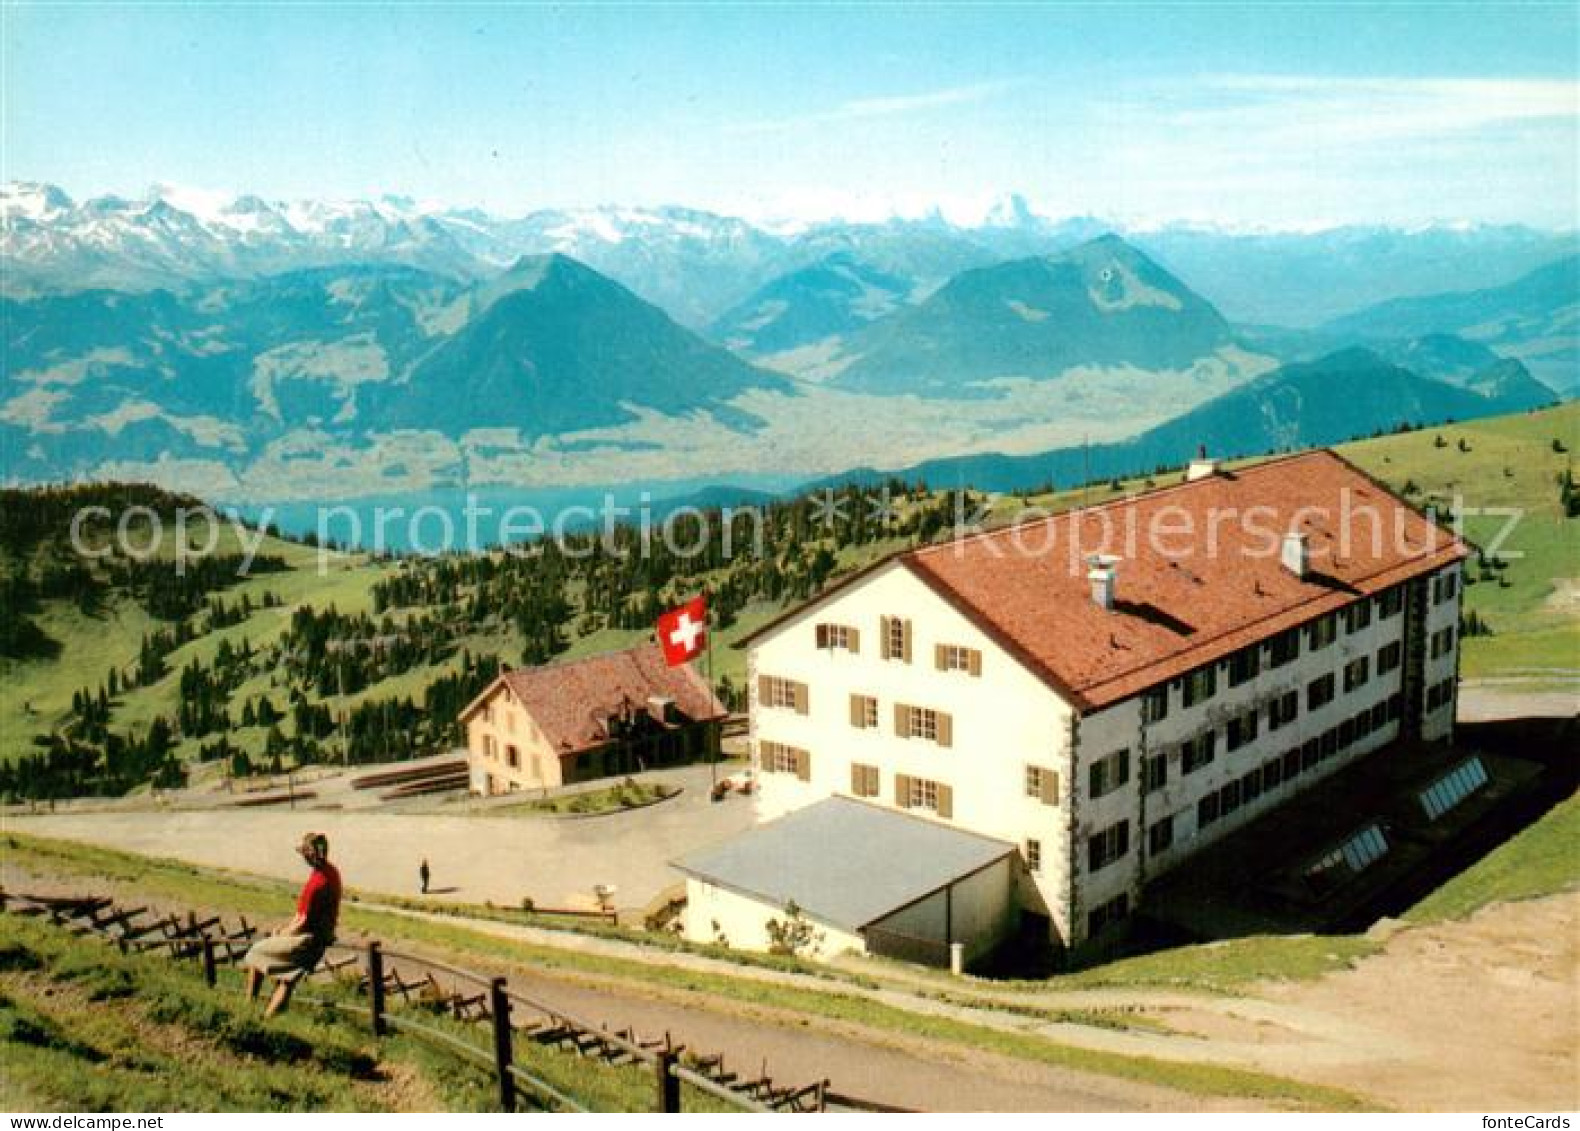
844, 862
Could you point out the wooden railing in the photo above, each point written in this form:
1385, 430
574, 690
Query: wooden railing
383, 975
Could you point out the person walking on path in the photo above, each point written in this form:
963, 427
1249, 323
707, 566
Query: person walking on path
293, 952
423, 874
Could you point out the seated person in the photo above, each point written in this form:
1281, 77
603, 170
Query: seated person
295, 950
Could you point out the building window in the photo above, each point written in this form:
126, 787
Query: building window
1283, 710
1155, 772
921, 793
1358, 616
1244, 665
1198, 752
1034, 856
1272, 774
1444, 586
1207, 811
1160, 837
864, 712
1284, 648
1390, 603
777, 692
1442, 642
924, 723
777, 758
1294, 762
955, 658
1350, 858
1389, 656
1452, 788
838, 637
1043, 784
1106, 915
1322, 632
1241, 731
1357, 673
1200, 685
1251, 787
1319, 692
1109, 773
1155, 705
895, 637
864, 780
1112, 844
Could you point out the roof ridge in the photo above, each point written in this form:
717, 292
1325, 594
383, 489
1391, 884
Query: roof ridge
1127, 500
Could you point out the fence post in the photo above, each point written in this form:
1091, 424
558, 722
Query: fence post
499, 1006
210, 971
668, 1082
376, 987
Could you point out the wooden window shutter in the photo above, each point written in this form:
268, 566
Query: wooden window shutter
883, 638
762, 690
803, 765
858, 711
975, 657
905, 633
902, 720
858, 779
946, 801
822, 636
1050, 787
854, 636
946, 729
940, 661
801, 698
902, 791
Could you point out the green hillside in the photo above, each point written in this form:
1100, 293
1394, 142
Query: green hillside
172, 1044
415, 639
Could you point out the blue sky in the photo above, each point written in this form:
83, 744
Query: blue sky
1277, 115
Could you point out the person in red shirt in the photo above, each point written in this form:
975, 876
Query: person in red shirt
293, 952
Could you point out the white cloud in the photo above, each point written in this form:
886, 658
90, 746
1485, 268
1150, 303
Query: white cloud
1362, 110
886, 106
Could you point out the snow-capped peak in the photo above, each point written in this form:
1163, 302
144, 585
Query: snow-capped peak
32, 201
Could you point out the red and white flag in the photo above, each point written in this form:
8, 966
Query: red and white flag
683, 632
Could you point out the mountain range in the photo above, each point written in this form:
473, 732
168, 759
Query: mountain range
697, 265
256, 351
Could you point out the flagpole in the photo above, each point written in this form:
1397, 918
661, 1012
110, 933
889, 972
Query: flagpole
713, 755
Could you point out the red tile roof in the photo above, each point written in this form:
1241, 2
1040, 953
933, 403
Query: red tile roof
1182, 601
572, 701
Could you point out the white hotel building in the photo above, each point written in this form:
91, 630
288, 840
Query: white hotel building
1101, 693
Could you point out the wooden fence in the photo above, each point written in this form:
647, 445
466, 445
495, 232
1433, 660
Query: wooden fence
383, 975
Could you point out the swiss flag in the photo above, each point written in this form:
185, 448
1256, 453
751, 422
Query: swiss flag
683, 632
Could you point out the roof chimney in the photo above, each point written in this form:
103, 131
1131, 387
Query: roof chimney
1101, 573
1294, 555
1202, 466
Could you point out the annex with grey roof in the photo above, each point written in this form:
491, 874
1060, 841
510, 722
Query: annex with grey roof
845, 862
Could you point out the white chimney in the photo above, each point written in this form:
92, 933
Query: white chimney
1295, 556
1202, 466
1101, 573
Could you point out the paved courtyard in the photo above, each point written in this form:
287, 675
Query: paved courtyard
475, 858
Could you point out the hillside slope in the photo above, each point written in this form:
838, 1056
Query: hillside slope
1536, 319
1308, 404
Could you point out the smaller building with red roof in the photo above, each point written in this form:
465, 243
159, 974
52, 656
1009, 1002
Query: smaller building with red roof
603, 716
